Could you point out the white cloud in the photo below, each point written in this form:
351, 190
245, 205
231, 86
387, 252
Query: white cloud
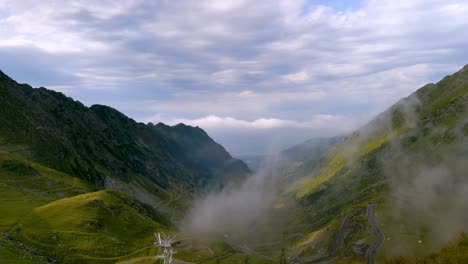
241, 59
324, 123
246, 93
246, 103
216, 122
223, 6
226, 77
301, 76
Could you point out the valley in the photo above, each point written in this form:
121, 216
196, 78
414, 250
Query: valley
90, 185
233, 132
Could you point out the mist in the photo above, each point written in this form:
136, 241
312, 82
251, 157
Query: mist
427, 176
239, 212
423, 167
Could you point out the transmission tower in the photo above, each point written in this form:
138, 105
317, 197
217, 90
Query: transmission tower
165, 251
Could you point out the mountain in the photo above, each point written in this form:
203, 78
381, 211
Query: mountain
396, 187
51, 217
299, 159
90, 185
411, 162
309, 149
104, 147
293, 157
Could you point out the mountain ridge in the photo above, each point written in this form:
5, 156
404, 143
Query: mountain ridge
97, 142
410, 161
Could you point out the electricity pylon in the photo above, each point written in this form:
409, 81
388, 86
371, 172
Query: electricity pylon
165, 250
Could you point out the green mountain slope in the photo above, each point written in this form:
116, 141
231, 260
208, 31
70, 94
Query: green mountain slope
106, 148
303, 158
455, 252
49, 217
57, 155
90, 142
25, 185
98, 227
411, 160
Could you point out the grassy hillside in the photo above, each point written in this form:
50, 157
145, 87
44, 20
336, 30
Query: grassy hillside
25, 185
94, 227
455, 252
411, 161
304, 157
49, 215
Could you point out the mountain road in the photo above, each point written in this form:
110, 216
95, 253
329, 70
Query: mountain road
377, 232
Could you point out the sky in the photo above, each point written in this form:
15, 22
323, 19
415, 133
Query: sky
257, 75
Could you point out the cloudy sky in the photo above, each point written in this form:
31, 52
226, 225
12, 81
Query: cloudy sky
257, 75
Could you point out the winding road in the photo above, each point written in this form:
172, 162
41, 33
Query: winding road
335, 243
377, 232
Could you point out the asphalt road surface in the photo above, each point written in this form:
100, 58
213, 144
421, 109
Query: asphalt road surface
335, 243
377, 232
